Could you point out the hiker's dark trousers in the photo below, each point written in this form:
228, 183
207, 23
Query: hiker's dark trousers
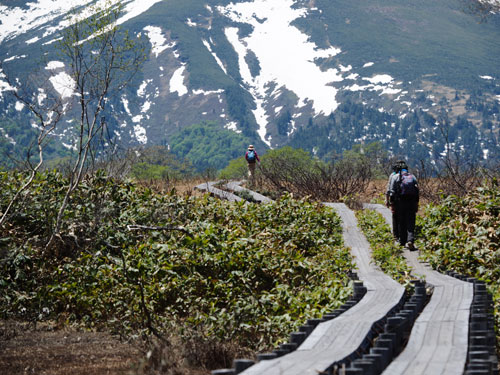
406, 210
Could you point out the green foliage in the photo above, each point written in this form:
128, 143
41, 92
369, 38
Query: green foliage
463, 234
236, 169
387, 255
298, 157
157, 162
242, 272
207, 145
145, 171
372, 153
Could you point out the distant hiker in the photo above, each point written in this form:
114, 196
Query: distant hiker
403, 198
395, 221
252, 158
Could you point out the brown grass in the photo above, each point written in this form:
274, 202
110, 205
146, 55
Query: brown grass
47, 350
184, 188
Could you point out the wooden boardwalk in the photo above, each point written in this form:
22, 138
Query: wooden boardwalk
438, 342
209, 187
335, 340
236, 186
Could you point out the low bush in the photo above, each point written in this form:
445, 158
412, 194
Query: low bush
463, 234
142, 264
386, 254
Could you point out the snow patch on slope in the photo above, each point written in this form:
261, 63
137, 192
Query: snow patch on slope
381, 82
53, 65
158, 41
286, 55
177, 82
140, 134
4, 86
15, 21
64, 84
219, 62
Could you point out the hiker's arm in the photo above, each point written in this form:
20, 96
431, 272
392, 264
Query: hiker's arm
392, 188
418, 195
387, 192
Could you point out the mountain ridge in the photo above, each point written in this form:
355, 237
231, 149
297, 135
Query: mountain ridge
277, 72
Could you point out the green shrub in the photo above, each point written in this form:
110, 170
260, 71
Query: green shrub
387, 255
236, 170
463, 234
244, 273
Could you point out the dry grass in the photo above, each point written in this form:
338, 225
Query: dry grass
184, 188
47, 350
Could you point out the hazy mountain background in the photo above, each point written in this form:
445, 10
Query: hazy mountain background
420, 77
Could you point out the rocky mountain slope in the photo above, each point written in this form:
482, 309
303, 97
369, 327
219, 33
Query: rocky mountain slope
420, 77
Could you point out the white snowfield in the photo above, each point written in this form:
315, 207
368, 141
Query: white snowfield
289, 59
15, 20
286, 56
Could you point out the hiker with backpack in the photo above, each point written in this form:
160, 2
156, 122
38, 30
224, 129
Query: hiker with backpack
403, 199
252, 158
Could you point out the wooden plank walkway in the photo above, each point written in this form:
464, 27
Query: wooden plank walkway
438, 342
210, 188
235, 186
337, 339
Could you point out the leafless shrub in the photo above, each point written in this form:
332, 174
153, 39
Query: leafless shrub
451, 171
47, 111
323, 181
452, 179
182, 355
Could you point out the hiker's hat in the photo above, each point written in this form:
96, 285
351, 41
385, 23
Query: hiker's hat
250, 147
402, 164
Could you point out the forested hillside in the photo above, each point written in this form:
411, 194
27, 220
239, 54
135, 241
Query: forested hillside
420, 78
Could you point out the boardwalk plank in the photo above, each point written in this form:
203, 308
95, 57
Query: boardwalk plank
336, 339
222, 194
235, 186
438, 342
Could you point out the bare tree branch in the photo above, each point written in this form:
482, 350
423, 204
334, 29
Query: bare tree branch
102, 60
48, 117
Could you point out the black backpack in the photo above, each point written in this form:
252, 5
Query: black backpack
407, 185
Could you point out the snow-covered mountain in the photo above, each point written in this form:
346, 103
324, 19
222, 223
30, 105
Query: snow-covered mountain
318, 74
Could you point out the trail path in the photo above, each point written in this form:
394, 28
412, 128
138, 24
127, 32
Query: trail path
438, 343
334, 340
